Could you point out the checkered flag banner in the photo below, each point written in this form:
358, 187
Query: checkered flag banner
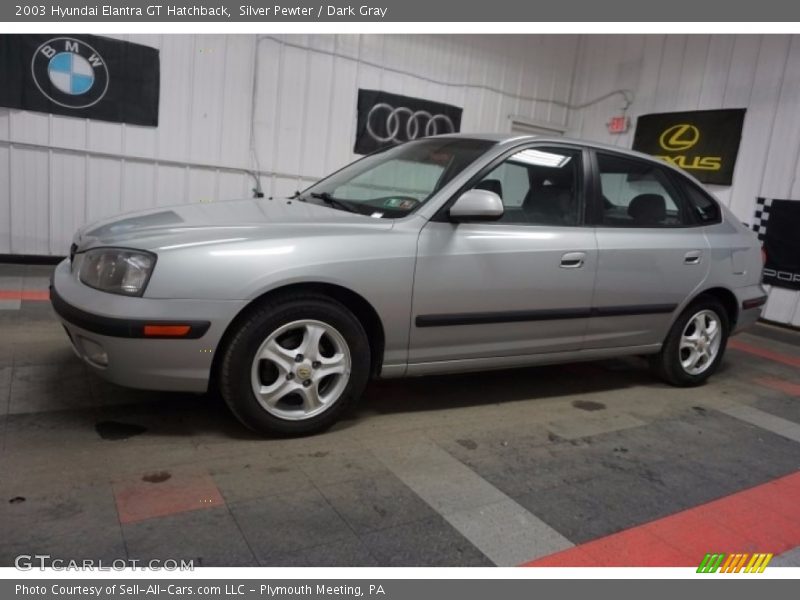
776, 222
761, 219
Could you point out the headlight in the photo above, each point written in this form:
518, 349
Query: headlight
117, 270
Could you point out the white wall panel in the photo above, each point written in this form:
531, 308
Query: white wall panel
103, 188
138, 185
695, 72
30, 199
302, 111
67, 190
286, 106
5, 201
170, 185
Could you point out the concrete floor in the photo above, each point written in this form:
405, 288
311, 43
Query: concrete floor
497, 468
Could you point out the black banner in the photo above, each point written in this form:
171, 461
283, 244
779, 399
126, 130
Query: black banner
703, 142
82, 76
386, 119
777, 223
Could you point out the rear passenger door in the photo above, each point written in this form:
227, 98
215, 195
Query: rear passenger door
652, 252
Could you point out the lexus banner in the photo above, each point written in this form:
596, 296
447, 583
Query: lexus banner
703, 142
777, 223
386, 119
82, 76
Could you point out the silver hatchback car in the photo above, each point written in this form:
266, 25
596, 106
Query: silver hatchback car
446, 254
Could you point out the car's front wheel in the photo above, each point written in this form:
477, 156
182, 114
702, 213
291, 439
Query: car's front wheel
695, 345
294, 365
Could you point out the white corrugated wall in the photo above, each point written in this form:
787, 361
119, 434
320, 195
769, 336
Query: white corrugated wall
688, 72
59, 172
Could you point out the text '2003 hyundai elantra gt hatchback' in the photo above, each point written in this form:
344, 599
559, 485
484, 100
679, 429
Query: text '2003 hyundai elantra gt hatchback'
445, 254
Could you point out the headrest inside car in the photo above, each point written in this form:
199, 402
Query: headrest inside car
648, 209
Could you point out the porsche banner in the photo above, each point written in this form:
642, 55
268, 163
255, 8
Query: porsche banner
777, 223
703, 142
386, 119
82, 76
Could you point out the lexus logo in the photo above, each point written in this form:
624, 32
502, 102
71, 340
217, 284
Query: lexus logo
69, 72
385, 123
679, 137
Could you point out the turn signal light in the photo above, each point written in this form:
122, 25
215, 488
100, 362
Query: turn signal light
166, 330
763, 256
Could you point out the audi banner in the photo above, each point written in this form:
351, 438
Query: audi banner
386, 119
703, 142
82, 76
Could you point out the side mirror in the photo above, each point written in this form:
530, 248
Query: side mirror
477, 205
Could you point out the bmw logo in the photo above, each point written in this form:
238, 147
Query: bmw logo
69, 72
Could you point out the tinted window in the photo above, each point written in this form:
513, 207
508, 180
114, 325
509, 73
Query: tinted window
637, 194
538, 186
703, 207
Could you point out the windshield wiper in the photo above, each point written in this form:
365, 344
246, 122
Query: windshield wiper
334, 202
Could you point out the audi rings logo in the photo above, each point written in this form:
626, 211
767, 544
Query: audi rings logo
386, 120
385, 123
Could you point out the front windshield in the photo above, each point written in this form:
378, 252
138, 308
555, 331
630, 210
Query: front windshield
392, 183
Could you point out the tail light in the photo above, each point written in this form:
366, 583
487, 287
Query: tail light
763, 256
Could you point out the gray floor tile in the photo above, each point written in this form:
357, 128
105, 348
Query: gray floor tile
371, 504
42, 388
430, 542
246, 482
278, 525
209, 537
347, 553
5, 389
333, 466
71, 523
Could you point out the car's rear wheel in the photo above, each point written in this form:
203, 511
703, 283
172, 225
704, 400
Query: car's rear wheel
695, 345
294, 365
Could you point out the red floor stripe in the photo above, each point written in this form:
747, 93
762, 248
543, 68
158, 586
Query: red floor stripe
24, 295
792, 361
765, 518
787, 387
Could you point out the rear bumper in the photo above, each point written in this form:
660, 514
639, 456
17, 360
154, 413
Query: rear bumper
107, 333
751, 300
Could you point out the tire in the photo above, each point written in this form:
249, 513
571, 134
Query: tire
297, 395
670, 364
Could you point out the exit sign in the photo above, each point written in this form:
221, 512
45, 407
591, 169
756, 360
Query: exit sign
618, 124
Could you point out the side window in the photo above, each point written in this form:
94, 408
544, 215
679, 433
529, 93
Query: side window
704, 208
638, 194
538, 186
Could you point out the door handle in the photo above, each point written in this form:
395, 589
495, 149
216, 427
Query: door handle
572, 260
692, 257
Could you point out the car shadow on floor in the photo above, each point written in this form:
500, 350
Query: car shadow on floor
510, 385
117, 412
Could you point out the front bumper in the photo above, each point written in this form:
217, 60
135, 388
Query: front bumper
107, 333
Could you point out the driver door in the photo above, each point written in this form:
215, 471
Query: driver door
518, 286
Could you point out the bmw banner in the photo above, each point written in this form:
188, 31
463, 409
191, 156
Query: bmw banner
386, 119
80, 76
703, 142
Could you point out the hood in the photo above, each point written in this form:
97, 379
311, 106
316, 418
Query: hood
229, 221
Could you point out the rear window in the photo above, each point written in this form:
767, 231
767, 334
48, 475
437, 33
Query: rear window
704, 208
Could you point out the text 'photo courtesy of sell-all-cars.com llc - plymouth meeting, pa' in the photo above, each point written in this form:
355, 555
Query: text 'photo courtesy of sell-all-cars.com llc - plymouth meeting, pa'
445, 254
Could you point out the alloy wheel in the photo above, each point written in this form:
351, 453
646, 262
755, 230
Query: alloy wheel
301, 369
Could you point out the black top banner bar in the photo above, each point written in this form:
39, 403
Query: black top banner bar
285, 11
